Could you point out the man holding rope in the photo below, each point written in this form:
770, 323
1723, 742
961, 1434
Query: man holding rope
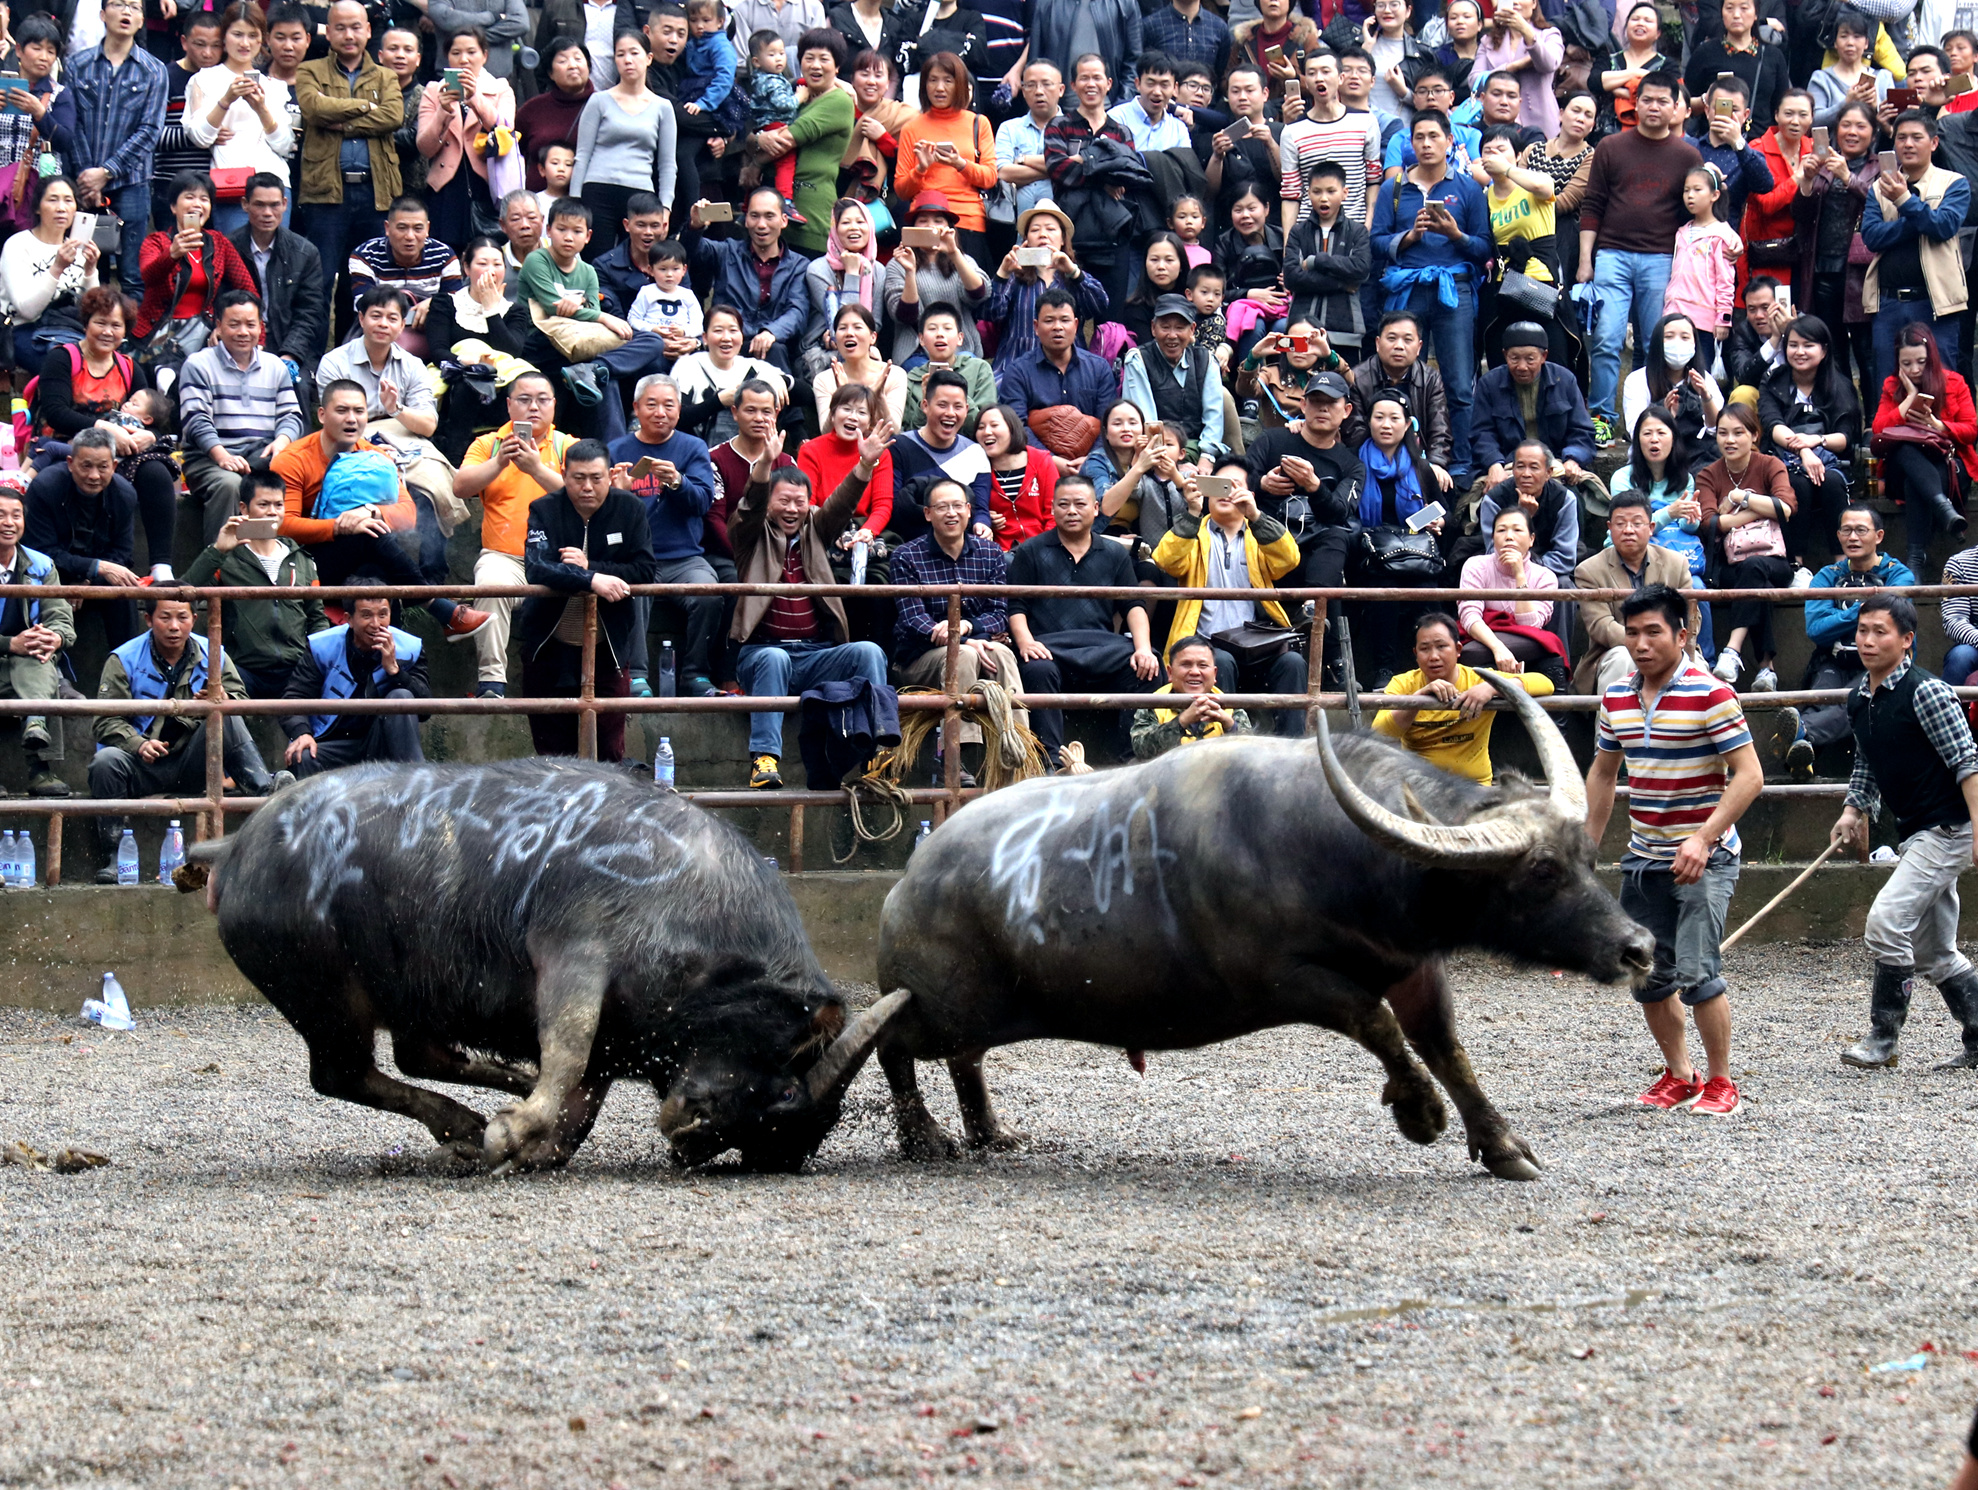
1914, 751
1692, 772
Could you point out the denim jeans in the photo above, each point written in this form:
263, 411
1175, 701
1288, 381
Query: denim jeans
1889, 323
1629, 287
1453, 332
1959, 664
1687, 922
785, 668
133, 205
337, 228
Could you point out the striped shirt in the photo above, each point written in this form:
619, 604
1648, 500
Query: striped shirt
438, 270
222, 403
1352, 142
1675, 755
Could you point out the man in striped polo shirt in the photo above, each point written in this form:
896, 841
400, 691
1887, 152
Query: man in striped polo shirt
1692, 772
237, 404
407, 257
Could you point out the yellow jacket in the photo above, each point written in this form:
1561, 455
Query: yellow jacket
1443, 737
1269, 553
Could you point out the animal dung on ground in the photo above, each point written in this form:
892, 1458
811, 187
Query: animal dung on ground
65, 1160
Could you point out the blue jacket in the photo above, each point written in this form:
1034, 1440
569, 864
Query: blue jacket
1030, 381
141, 667
333, 657
1916, 218
1830, 623
40, 570
673, 515
726, 267
709, 64
1395, 207
1497, 426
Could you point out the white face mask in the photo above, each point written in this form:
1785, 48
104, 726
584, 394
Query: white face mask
1678, 351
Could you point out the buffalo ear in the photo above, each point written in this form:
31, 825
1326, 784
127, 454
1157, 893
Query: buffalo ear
827, 1023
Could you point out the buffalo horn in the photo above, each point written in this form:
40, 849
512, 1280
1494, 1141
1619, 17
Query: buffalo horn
838, 1065
1494, 840
1568, 793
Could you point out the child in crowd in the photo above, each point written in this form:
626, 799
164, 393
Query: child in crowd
1189, 222
1205, 293
773, 104
151, 410
665, 307
1326, 259
1703, 272
709, 65
556, 162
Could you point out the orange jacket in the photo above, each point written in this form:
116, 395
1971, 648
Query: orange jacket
971, 135
302, 465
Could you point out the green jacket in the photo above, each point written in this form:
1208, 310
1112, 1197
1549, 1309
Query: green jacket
175, 729
981, 392
546, 284
331, 110
822, 131
262, 635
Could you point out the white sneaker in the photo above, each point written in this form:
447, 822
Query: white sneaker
1729, 665
1802, 578
161, 574
1766, 681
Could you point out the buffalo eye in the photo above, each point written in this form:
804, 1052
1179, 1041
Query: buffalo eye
1543, 875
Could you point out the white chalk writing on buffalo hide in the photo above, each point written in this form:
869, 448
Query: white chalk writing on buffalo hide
1016, 868
1108, 854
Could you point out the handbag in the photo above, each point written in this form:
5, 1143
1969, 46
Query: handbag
1066, 431
1257, 642
1759, 540
14, 182
1772, 253
230, 182
1394, 555
1529, 294
999, 205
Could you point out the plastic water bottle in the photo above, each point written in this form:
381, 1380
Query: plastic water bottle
669, 676
926, 832
9, 868
172, 855
127, 859
112, 1011
662, 765
25, 870
861, 556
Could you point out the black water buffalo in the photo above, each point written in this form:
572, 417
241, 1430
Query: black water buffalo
1235, 886
544, 928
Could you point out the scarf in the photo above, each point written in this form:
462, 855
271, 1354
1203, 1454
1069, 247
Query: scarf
834, 254
1399, 468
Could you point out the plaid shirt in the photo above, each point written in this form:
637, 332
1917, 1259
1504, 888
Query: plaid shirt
922, 561
1942, 719
1204, 39
120, 112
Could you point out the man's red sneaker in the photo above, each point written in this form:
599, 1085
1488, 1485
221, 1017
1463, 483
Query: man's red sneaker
1720, 1098
464, 622
1670, 1094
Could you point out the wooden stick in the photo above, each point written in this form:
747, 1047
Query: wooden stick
1773, 904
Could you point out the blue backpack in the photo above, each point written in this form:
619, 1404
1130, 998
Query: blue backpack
357, 478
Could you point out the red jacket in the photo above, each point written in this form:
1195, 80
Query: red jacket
1030, 514
1958, 413
827, 460
221, 261
1769, 215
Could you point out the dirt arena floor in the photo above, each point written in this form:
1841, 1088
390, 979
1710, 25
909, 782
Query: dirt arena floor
1231, 1272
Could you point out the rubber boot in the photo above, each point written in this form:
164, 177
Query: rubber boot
1888, 1007
1949, 516
1961, 995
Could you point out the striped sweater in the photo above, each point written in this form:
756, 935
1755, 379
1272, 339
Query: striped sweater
437, 272
1675, 755
220, 403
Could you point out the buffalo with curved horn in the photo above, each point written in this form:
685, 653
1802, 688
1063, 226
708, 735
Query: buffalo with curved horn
1237, 885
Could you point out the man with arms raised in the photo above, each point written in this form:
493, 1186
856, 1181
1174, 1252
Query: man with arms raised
1692, 772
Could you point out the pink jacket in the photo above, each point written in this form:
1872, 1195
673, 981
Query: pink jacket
1483, 572
1703, 276
447, 133
1537, 108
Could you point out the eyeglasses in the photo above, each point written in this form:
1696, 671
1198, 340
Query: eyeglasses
122, 5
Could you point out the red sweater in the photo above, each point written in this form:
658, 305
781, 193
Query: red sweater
827, 460
1030, 514
1958, 413
224, 271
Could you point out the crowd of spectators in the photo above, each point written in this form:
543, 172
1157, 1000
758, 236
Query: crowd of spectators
1080, 292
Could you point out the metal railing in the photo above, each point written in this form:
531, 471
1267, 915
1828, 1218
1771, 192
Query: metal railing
209, 812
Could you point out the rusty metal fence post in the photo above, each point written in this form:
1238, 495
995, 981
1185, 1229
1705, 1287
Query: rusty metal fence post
587, 721
951, 717
216, 729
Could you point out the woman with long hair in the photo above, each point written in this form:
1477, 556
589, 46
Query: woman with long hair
1399, 484
187, 269
450, 121
1812, 422
1828, 211
235, 98
1745, 489
941, 275
1521, 38
1659, 467
45, 272
1135, 467
949, 148
1926, 432
855, 334
1025, 477
1163, 271
1675, 375
708, 380
626, 140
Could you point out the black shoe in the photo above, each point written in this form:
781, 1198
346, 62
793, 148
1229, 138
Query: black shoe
1888, 1007
45, 783
1949, 516
107, 875
1961, 997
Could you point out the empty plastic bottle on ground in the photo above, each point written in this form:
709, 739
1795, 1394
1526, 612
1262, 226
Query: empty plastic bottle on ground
172, 855
662, 765
112, 1011
9, 870
926, 832
24, 870
669, 676
127, 858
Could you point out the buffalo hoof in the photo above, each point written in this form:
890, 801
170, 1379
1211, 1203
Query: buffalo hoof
508, 1145
1418, 1110
1002, 1141
463, 1156
1515, 1161
924, 1141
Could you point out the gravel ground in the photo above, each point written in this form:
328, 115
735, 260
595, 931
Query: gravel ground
1232, 1271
